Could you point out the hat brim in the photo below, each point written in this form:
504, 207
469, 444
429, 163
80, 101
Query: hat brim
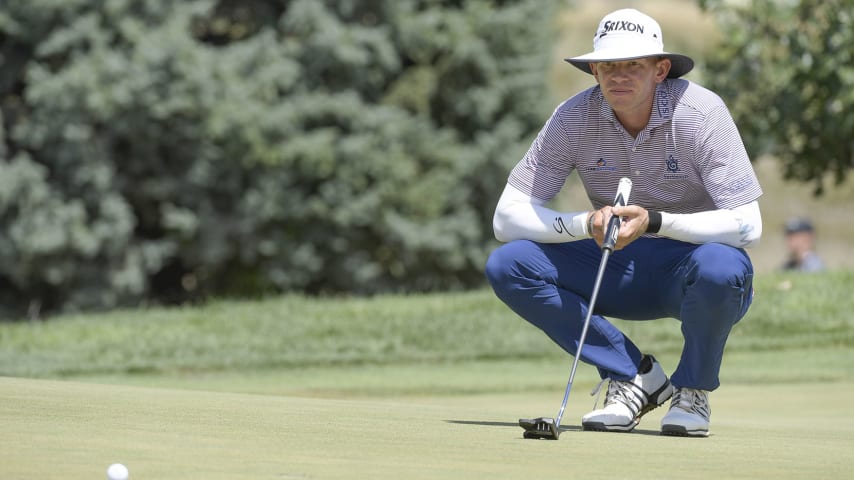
679, 64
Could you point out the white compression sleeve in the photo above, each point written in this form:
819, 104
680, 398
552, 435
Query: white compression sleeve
520, 216
739, 227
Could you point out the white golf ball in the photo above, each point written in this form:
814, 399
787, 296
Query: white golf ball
117, 471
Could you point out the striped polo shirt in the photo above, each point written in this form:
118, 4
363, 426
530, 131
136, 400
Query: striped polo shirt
689, 158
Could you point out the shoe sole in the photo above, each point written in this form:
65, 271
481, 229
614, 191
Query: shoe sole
601, 427
680, 431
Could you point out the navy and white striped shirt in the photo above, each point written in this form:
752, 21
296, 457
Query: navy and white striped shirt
689, 158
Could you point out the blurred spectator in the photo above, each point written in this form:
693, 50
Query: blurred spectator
800, 243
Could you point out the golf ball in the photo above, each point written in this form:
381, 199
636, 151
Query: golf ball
117, 471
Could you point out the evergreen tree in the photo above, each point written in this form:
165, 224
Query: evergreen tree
164, 151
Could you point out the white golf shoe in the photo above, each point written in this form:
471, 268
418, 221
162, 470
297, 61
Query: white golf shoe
688, 415
628, 400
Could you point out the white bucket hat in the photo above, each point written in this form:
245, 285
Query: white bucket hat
628, 34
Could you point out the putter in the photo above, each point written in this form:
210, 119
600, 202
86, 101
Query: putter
549, 428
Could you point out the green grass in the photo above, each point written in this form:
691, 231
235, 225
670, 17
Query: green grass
408, 387
74, 430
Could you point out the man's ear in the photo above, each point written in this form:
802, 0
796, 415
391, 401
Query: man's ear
594, 71
662, 69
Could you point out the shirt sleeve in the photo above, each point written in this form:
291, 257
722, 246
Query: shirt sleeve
543, 170
725, 167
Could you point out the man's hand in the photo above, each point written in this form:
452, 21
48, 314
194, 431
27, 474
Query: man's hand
634, 224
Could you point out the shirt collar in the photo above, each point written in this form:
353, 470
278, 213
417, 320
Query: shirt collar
662, 105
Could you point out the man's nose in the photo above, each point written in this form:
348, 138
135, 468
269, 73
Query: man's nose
620, 71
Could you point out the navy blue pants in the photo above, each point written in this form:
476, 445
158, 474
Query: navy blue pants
707, 287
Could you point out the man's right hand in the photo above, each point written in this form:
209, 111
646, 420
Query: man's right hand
633, 225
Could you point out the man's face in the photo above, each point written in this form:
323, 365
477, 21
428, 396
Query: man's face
799, 243
629, 86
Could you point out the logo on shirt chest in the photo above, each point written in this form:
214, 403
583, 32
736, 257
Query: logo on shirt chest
673, 172
601, 165
672, 164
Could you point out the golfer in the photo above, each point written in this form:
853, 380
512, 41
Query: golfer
680, 251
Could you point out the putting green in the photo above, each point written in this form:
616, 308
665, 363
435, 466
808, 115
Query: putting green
72, 430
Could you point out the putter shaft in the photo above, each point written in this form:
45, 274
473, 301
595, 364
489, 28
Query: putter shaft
602, 263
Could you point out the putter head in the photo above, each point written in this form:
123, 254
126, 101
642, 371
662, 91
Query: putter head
540, 428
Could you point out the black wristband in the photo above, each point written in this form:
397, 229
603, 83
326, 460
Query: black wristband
654, 222
590, 223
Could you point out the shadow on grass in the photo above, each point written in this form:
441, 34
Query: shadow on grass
563, 428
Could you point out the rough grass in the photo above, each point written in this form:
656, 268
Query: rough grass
790, 312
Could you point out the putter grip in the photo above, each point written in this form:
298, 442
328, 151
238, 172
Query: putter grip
624, 189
